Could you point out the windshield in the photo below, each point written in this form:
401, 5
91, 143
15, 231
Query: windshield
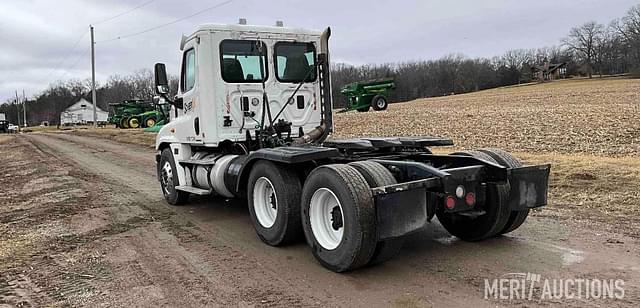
294, 61
241, 61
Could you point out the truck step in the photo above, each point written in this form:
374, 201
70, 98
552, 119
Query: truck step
193, 190
208, 161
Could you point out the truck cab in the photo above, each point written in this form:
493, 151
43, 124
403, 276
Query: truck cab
252, 120
228, 70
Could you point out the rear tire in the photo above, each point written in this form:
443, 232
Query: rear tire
274, 203
496, 209
338, 217
504, 158
377, 175
168, 177
134, 122
124, 123
379, 102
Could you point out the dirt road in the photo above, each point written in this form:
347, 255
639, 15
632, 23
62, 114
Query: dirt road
83, 222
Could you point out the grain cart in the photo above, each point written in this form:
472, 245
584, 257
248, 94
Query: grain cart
252, 119
366, 94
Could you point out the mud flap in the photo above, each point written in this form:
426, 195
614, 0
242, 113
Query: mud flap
401, 212
529, 187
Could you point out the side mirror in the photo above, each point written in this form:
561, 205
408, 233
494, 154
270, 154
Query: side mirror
160, 72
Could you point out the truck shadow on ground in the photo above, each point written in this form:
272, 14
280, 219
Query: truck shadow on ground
430, 251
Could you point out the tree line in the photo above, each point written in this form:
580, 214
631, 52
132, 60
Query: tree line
589, 49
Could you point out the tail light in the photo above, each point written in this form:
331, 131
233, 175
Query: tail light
470, 199
450, 202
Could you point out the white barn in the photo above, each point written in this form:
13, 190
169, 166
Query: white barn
82, 113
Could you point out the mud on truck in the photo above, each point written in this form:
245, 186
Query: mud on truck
252, 119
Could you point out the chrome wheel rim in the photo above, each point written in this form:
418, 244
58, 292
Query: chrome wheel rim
327, 218
166, 178
380, 102
265, 202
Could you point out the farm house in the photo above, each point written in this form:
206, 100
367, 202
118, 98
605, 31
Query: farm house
82, 113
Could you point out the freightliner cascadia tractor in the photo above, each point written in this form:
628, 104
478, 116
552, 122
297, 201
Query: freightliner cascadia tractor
252, 119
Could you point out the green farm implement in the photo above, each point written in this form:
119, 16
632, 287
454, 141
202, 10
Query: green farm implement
136, 114
368, 94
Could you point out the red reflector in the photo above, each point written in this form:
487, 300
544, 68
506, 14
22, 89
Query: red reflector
470, 198
450, 203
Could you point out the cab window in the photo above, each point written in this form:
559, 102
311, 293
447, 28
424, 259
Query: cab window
295, 61
188, 70
243, 61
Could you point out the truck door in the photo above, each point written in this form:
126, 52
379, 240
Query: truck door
188, 79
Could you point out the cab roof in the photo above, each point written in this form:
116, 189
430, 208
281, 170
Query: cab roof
257, 29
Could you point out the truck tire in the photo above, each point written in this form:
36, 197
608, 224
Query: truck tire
496, 209
168, 178
134, 122
338, 217
274, 203
377, 175
504, 158
379, 102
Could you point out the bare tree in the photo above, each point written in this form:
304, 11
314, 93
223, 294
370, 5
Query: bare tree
582, 41
629, 30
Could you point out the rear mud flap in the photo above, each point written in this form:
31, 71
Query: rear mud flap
400, 212
528, 187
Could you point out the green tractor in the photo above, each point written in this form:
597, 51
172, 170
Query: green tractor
364, 95
133, 114
158, 118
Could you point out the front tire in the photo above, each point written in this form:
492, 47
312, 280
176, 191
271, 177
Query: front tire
338, 217
274, 203
150, 122
168, 177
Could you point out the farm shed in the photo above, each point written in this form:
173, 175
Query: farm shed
82, 113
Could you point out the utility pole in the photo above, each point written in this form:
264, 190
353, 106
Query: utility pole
24, 107
18, 108
93, 78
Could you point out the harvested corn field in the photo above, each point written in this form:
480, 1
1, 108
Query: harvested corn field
570, 116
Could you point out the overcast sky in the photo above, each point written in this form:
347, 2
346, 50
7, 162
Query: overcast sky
37, 36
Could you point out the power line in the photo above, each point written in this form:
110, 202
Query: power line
167, 24
82, 55
124, 13
68, 53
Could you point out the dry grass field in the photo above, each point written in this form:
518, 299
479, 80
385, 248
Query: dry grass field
570, 116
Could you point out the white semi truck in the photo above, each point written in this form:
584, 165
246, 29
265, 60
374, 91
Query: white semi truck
252, 119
